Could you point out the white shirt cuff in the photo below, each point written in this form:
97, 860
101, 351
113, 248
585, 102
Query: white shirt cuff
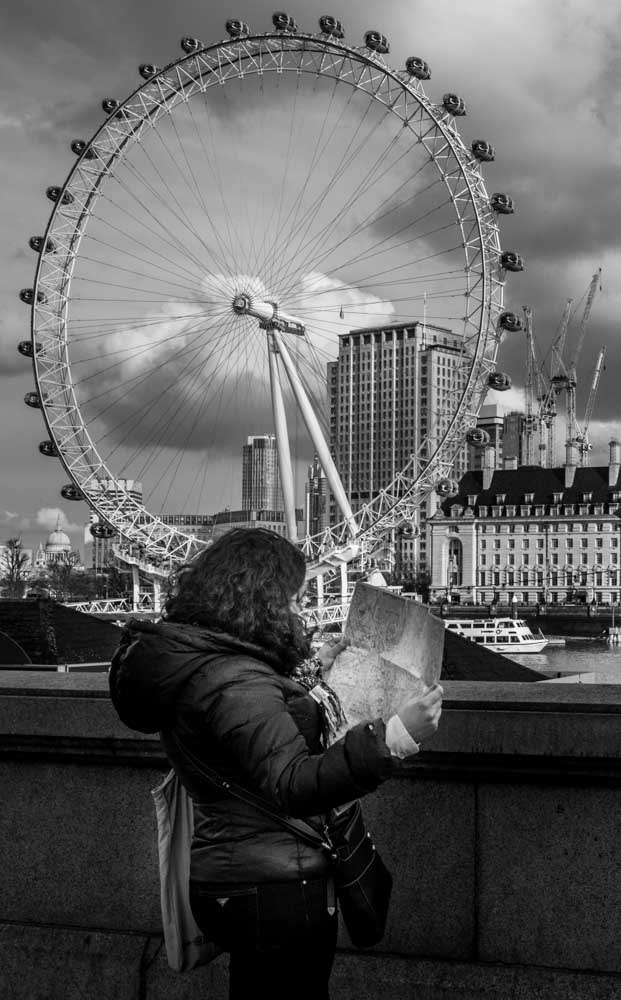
398, 740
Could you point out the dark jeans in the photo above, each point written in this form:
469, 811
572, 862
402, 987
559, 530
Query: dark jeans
280, 935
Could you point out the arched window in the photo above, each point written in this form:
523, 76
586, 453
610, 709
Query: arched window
455, 563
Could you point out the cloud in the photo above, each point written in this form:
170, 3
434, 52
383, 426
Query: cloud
12, 523
49, 517
194, 375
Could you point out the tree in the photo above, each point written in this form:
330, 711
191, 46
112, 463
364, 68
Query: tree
14, 568
61, 576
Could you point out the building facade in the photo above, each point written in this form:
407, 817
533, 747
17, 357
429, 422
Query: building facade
273, 520
507, 434
491, 420
530, 535
315, 499
261, 489
391, 395
101, 548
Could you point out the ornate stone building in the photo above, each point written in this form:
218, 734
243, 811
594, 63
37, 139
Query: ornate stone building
530, 535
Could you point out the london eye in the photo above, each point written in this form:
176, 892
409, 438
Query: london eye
226, 225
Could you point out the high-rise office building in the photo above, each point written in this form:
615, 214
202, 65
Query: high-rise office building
315, 499
507, 437
392, 388
514, 437
261, 489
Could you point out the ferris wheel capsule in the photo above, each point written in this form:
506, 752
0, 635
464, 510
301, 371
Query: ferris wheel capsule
418, 68
499, 381
502, 203
81, 148
71, 492
454, 105
27, 296
37, 243
237, 29
511, 261
110, 104
330, 25
56, 193
102, 531
49, 449
477, 437
191, 45
510, 321
410, 531
148, 70
25, 348
447, 487
483, 151
33, 399
377, 42
283, 22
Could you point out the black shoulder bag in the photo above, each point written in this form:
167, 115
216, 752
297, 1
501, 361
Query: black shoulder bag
362, 881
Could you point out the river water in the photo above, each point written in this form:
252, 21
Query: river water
584, 656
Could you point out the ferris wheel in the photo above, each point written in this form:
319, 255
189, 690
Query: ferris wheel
218, 237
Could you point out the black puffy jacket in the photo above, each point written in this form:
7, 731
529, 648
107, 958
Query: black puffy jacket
228, 703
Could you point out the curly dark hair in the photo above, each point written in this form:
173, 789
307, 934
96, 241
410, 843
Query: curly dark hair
242, 584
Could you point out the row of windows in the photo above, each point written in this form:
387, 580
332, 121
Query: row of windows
526, 510
553, 543
568, 579
556, 527
554, 559
529, 498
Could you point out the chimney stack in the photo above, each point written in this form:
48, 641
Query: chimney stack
614, 465
489, 465
570, 465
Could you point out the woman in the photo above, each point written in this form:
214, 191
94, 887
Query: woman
227, 679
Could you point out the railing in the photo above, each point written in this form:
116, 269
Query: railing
160, 568
327, 614
108, 606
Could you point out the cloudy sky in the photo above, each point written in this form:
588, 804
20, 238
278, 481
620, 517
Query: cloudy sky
540, 81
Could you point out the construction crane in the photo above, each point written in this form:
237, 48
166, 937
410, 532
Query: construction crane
582, 439
556, 381
533, 388
573, 430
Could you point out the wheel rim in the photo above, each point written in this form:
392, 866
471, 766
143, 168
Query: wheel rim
320, 242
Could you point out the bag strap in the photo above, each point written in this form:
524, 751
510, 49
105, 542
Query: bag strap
298, 827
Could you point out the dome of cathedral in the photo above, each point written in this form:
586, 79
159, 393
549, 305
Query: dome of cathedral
58, 541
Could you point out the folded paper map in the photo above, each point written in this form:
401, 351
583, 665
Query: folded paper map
395, 653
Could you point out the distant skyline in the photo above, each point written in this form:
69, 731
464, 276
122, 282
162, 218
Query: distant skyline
540, 81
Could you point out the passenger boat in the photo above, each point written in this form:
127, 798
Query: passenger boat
504, 635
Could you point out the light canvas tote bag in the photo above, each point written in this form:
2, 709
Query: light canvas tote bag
185, 944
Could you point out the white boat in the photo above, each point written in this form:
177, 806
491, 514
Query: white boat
504, 635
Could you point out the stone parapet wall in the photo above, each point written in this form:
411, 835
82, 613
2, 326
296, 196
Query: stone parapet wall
503, 837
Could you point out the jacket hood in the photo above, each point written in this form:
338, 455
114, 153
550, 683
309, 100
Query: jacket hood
153, 663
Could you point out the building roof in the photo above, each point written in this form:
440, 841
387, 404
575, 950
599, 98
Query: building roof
58, 540
543, 483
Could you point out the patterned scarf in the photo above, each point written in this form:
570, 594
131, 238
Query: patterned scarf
310, 675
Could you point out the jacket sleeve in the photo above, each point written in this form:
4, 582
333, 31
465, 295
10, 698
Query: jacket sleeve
246, 713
